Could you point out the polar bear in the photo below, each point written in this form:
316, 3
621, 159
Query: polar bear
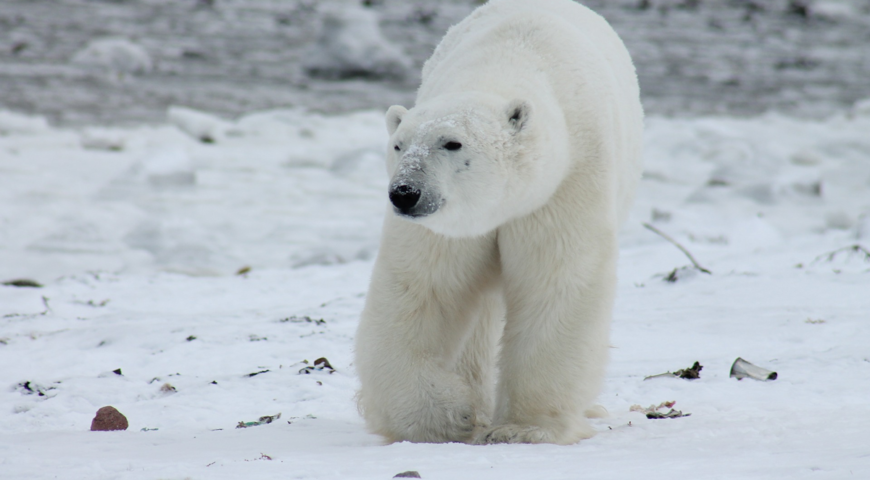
487, 318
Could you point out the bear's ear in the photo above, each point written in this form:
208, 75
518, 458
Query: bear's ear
518, 112
394, 117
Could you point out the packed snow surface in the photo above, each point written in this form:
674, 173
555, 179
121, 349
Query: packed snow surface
137, 236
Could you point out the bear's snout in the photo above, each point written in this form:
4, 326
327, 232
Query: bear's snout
404, 198
414, 199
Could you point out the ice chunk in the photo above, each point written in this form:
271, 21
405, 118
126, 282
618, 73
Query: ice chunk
103, 139
199, 125
11, 122
118, 55
350, 44
862, 231
861, 109
171, 167
806, 158
838, 220
835, 9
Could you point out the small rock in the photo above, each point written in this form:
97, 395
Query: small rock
798, 8
408, 474
18, 47
660, 215
108, 419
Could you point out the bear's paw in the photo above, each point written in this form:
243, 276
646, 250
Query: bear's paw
511, 433
448, 422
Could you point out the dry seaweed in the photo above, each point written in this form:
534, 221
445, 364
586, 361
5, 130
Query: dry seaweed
655, 412
691, 373
261, 421
321, 364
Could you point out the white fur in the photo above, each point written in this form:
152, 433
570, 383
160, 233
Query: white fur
523, 245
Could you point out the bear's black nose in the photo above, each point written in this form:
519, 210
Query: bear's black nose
404, 197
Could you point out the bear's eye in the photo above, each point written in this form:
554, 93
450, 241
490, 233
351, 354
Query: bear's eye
452, 145
396, 148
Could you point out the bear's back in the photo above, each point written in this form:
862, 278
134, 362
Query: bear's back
497, 12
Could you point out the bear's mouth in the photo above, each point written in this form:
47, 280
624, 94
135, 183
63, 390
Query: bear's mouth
419, 211
409, 215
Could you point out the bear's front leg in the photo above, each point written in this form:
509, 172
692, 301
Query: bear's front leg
425, 296
559, 283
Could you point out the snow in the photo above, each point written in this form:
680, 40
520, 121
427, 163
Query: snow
138, 244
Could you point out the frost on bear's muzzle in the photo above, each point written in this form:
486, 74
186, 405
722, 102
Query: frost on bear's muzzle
413, 199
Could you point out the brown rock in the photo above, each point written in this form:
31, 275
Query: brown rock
108, 419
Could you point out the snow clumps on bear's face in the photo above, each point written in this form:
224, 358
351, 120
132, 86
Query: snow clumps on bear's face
458, 166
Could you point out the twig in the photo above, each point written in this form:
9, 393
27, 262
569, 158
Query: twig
45, 302
676, 244
31, 315
857, 248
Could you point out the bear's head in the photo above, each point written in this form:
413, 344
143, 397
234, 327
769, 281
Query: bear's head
463, 164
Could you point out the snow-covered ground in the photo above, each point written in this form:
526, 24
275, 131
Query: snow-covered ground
137, 236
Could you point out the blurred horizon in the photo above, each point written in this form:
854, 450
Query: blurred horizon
694, 57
